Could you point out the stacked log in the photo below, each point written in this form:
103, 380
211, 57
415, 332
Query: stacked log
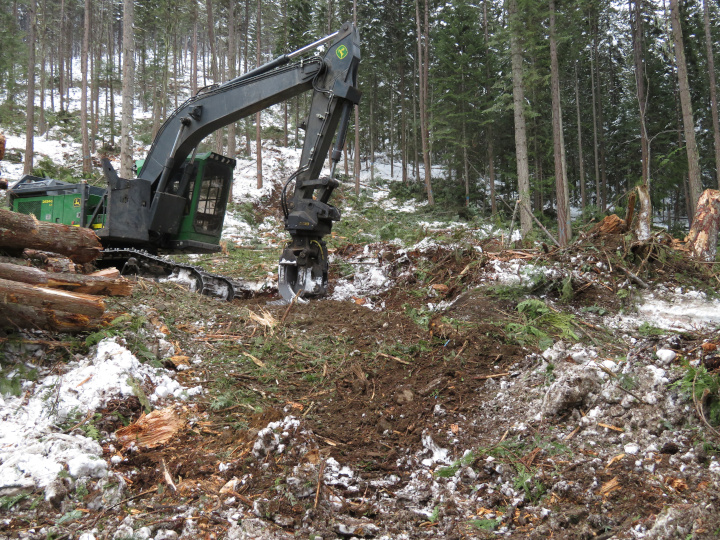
63, 300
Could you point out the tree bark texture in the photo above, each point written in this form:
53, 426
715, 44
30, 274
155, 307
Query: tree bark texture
563, 210
23, 294
686, 107
258, 126
20, 231
642, 223
86, 158
422, 44
638, 58
521, 148
95, 285
713, 89
30, 121
128, 89
702, 238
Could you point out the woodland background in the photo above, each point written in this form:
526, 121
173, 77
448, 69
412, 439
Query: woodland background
565, 105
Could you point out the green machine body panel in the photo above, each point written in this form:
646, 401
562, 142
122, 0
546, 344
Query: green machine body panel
191, 222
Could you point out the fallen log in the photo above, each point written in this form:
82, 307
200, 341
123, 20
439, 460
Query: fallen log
20, 231
80, 283
702, 238
14, 292
15, 316
51, 262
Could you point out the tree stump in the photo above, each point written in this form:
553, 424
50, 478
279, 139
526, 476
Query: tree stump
702, 238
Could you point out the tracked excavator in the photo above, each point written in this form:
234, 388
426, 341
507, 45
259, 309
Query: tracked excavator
178, 201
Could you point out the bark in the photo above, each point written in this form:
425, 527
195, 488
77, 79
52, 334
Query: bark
61, 57
232, 72
128, 85
583, 194
20, 231
637, 39
642, 223
490, 131
563, 210
86, 158
23, 294
686, 107
14, 315
96, 285
214, 67
403, 125
194, 66
30, 104
2, 152
356, 153
521, 149
702, 238
258, 127
422, 45
713, 89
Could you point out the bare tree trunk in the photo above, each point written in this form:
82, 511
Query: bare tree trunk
521, 150
214, 67
686, 106
86, 158
422, 44
245, 69
194, 57
356, 156
30, 106
128, 86
581, 164
43, 54
637, 38
61, 57
232, 71
490, 131
403, 125
713, 89
563, 210
258, 127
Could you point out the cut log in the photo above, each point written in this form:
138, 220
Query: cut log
15, 316
702, 238
70, 282
14, 292
110, 273
52, 262
20, 231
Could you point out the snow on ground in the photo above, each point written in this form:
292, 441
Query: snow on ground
36, 442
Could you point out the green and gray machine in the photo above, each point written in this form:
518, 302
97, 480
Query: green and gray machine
177, 202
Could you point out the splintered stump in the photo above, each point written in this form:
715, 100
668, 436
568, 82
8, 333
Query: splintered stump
20, 231
702, 238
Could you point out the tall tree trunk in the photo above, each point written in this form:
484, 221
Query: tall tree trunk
490, 131
61, 57
43, 54
356, 156
422, 44
563, 210
258, 127
30, 105
128, 86
713, 89
686, 106
214, 67
110, 72
521, 149
232, 70
245, 70
194, 56
636, 25
581, 163
86, 158
403, 125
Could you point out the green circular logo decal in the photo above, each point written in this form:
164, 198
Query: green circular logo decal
341, 52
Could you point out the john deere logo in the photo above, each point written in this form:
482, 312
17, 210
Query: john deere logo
76, 202
341, 52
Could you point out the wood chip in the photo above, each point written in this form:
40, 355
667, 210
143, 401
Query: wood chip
494, 376
608, 426
391, 357
153, 429
610, 486
614, 460
255, 360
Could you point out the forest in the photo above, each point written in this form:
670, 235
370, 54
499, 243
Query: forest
563, 106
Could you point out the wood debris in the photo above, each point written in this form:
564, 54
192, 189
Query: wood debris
153, 429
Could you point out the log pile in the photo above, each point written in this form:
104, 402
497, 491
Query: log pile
60, 300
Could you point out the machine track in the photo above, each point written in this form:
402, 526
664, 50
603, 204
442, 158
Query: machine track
142, 263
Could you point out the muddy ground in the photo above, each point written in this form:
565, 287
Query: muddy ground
333, 420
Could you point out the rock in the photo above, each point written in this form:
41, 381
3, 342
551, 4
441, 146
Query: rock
356, 527
665, 356
165, 534
632, 449
404, 396
570, 390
